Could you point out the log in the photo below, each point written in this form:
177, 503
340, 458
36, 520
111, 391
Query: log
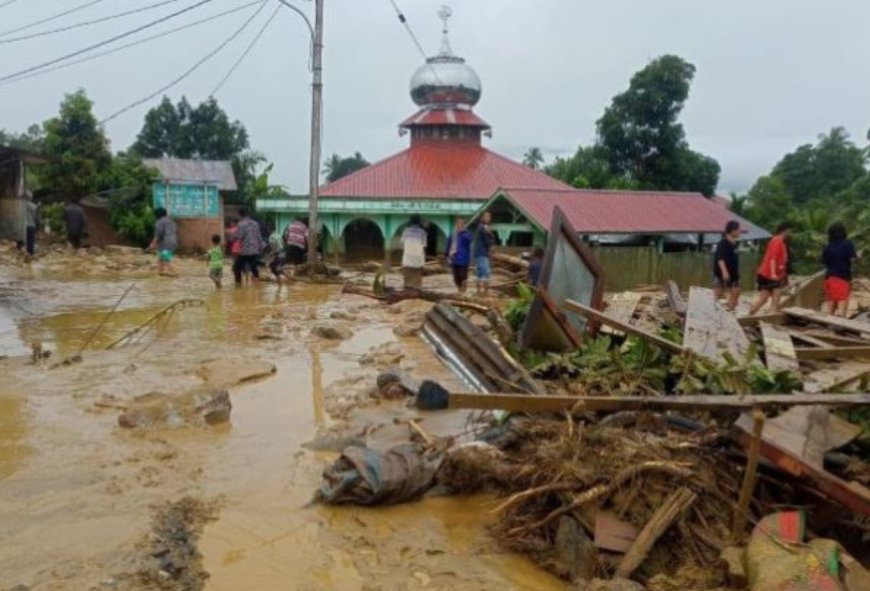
673, 507
588, 312
712, 402
511, 261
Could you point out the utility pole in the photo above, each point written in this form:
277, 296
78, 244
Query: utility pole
316, 116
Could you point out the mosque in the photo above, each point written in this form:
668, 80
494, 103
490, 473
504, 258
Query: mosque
446, 171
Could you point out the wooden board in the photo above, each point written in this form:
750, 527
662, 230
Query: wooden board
778, 349
547, 404
546, 328
824, 319
614, 534
605, 319
675, 298
834, 339
841, 375
805, 337
827, 353
777, 318
621, 306
806, 431
712, 331
809, 293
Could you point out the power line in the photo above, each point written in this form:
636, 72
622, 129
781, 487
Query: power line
7, 3
88, 23
132, 44
50, 18
190, 70
404, 21
246, 51
106, 42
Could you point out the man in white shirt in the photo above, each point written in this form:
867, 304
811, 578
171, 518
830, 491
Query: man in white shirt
413, 253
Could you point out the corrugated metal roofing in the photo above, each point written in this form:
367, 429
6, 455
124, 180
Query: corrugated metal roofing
439, 170
435, 116
219, 172
627, 212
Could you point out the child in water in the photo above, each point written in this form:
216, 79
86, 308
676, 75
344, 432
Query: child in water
216, 261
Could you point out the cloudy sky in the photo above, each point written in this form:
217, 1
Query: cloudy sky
772, 74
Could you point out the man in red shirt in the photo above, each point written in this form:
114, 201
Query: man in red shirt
772, 272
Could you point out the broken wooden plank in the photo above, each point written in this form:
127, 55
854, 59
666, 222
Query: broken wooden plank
614, 534
775, 318
779, 352
711, 330
675, 299
819, 354
852, 495
547, 404
809, 293
831, 338
832, 378
809, 339
621, 326
621, 306
674, 506
749, 477
828, 320
808, 432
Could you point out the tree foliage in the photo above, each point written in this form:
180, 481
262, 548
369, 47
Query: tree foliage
337, 167
534, 158
640, 144
203, 132
32, 140
76, 148
128, 185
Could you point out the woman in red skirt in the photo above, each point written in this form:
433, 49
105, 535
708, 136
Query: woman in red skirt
838, 256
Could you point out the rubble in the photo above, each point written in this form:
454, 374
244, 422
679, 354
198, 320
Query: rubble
200, 406
331, 331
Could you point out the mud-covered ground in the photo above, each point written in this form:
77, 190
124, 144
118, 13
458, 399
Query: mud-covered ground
83, 501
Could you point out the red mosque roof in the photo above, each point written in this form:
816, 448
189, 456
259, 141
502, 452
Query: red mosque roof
442, 116
440, 170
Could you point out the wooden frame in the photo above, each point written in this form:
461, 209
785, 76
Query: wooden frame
545, 303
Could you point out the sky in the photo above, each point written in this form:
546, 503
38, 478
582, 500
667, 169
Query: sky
771, 74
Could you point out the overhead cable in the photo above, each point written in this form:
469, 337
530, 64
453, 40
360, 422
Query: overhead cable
190, 70
7, 3
50, 18
404, 21
247, 50
105, 42
86, 23
131, 44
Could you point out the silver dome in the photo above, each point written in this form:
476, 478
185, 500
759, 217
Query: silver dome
445, 80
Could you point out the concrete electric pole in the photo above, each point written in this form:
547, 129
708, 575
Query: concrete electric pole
316, 116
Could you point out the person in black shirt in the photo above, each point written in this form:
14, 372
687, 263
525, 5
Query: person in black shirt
837, 256
726, 266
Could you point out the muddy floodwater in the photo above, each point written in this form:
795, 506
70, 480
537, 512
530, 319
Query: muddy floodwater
78, 492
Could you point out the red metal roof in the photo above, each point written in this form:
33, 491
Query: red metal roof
439, 170
626, 212
434, 116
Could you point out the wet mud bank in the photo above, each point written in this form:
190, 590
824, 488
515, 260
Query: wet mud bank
86, 503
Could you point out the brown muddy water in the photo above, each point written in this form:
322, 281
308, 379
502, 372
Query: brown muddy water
77, 492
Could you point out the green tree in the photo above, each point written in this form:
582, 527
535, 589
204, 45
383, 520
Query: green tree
586, 169
533, 158
128, 185
76, 148
641, 139
819, 172
32, 140
738, 204
337, 167
160, 132
767, 201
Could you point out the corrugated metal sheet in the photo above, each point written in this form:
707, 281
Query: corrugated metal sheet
430, 116
219, 172
439, 170
628, 212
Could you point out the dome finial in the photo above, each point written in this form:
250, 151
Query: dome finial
444, 13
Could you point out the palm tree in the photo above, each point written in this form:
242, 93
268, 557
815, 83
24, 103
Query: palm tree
533, 158
738, 203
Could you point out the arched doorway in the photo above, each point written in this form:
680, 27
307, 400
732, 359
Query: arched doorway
363, 240
435, 238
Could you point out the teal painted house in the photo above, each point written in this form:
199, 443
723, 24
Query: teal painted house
445, 173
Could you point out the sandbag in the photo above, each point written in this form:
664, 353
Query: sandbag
363, 476
778, 560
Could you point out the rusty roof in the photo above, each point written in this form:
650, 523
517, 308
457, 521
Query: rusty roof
211, 172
